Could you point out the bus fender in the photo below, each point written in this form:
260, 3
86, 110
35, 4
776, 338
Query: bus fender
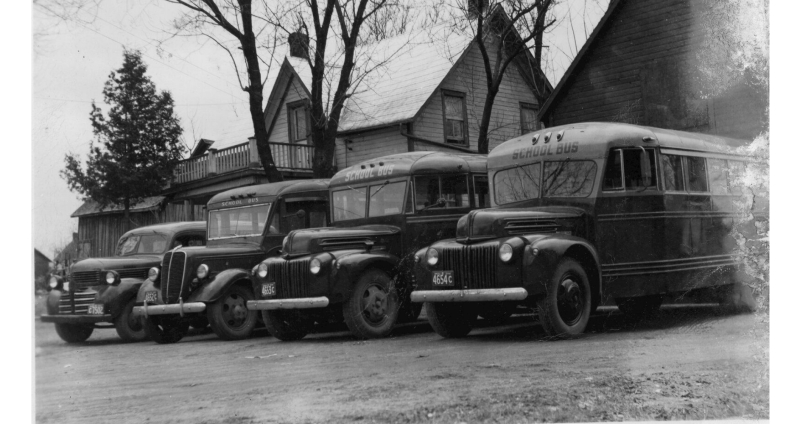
551, 249
115, 297
214, 289
353, 265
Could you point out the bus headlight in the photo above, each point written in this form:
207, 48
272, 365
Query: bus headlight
111, 277
262, 270
202, 271
315, 266
506, 252
152, 274
432, 256
53, 282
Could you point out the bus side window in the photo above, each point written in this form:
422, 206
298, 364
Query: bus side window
717, 175
673, 173
455, 192
613, 177
427, 190
640, 170
696, 168
481, 191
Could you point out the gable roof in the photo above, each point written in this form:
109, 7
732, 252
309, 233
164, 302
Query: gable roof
91, 207
578, 61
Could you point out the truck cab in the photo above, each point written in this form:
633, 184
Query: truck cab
245, 225
358, 270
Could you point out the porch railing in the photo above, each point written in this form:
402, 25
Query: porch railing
288, 157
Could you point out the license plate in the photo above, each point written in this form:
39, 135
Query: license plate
442, 278
95, 309
268, 289
151, 296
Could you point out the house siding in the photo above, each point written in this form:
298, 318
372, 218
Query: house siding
468, 77
355, 148
644, 68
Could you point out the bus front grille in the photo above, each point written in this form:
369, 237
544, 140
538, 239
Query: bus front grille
474, 267
291, 278
172, 280
82, 302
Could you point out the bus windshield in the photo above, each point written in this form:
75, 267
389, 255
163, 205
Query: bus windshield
237, 222
142, 245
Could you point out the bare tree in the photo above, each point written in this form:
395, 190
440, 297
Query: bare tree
236, 19
515, 26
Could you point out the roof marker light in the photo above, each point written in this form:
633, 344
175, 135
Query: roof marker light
363, 167
380, 163
648, 139
547, 138
535, 139
372, 165
560, 135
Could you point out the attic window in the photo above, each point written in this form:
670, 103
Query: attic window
455, 118
527, 118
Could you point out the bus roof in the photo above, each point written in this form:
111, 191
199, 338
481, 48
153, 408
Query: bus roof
411, 163
591, 140
267, 191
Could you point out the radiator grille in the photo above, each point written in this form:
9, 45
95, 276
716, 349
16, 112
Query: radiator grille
474, 267
291, 278
133, 273
172, 279
82, 280
82, 302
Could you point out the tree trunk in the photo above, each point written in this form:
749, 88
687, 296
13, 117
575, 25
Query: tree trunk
256, 95
483, 132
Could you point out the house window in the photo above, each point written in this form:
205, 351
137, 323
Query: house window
298, 123
527, 118
455, 117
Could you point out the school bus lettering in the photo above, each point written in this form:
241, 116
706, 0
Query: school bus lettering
545, 150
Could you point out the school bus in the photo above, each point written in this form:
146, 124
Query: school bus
586, 212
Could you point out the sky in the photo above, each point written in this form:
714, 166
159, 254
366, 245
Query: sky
72, 61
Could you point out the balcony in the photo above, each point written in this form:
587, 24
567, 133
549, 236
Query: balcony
291, 159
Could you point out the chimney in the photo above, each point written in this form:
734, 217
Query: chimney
298, 45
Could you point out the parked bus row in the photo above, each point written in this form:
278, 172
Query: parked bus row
557, 222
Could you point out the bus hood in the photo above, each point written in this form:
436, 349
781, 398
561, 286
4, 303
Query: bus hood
116, 263
486, 224
315, 240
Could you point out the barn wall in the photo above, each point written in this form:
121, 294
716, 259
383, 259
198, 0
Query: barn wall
469, 77
645, 68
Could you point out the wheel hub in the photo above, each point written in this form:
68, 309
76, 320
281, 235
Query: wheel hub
374, 303
570, 301
234, 310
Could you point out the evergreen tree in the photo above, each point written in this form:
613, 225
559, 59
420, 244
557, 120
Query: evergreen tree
137, 143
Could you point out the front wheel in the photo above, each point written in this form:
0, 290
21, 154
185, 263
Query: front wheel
565, 309
74, 333
229, 317
372, 309
451, 319
128, 326
165, 329
286, 325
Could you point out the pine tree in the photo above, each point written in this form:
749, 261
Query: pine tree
136, 145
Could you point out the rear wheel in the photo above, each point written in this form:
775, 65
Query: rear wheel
74, 333
372, 309
565, 309
229, 317
164, 329
129, 327
638, 308
286, 325
451, 319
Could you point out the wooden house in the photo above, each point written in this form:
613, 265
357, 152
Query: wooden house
646, 63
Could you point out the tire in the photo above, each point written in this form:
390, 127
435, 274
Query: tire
286, 325
450, 320
74, 333
372, 309
639, 308
129, 328
564, 311
165, 329
229, 317
199, 322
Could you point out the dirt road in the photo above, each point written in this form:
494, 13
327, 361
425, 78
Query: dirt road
688, 363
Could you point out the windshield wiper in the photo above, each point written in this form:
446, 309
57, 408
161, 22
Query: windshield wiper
379, 189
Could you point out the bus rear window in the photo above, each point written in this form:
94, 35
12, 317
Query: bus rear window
517, 184
569, 178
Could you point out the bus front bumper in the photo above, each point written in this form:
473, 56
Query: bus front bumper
476, 295
300, 303
171, 309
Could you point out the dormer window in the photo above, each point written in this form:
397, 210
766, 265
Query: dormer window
455, 117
